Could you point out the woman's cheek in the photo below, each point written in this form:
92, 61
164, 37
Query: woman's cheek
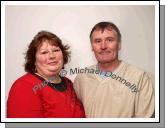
42, 61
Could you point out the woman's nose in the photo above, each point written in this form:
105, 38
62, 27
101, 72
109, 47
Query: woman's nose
51, 55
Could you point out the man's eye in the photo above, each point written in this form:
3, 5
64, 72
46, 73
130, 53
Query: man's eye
110, 40
97, 41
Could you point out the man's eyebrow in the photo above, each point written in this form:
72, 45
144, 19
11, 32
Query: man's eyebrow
110, 37
97, 38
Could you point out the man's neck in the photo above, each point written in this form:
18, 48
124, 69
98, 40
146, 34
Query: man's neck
110, 66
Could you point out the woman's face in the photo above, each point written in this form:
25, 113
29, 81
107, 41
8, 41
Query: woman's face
49, 59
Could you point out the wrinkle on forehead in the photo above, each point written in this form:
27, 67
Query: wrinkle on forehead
106, 29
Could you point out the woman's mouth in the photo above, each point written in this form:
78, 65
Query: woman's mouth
52, 63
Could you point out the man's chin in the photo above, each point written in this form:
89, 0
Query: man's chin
105, 61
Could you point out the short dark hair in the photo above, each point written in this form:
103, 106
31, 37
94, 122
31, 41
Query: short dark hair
41, 36
104, 25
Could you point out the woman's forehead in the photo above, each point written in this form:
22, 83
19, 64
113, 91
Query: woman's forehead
47, 43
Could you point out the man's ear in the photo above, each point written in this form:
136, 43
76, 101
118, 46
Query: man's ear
119, 46
91, 47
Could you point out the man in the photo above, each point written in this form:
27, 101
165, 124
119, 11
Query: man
119, 89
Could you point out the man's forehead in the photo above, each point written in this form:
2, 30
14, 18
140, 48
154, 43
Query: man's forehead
101, 31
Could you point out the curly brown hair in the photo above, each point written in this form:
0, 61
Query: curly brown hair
37, 42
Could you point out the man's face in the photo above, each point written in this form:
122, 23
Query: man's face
105, 45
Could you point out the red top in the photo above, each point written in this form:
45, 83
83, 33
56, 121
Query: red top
30, 97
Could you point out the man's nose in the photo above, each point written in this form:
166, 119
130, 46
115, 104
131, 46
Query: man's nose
103, 45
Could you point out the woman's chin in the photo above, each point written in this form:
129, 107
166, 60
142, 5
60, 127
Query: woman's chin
53, 71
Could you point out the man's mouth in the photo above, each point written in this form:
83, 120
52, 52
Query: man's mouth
104, 52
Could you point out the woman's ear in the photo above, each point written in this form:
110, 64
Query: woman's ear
119, 46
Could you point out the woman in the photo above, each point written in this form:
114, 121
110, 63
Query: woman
42, 92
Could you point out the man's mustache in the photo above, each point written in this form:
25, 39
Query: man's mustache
104, 51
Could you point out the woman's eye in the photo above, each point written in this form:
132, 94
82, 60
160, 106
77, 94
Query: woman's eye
44, 52
56, 50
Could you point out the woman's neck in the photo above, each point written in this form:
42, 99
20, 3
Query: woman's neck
52, 79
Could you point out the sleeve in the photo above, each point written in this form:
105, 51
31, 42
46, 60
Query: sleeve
144, 100
23, 102
78, 108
